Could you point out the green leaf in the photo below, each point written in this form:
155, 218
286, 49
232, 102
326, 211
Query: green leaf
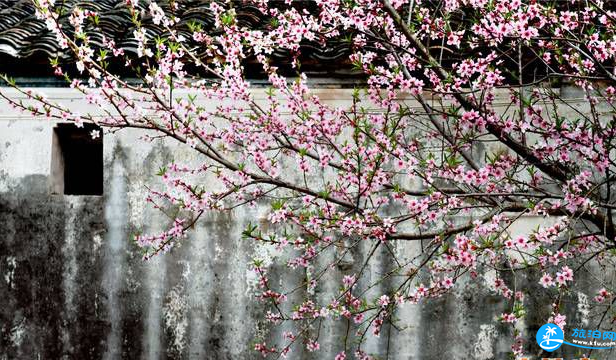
227, 18
278, 204
250, 229
194, 26
9, 80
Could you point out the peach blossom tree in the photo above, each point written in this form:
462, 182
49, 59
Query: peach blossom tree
460, 130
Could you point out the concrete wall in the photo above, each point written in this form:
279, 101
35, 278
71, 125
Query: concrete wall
73, 284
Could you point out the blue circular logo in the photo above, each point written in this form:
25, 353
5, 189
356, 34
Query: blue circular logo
550, 337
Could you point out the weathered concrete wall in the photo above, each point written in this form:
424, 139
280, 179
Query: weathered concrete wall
74, 286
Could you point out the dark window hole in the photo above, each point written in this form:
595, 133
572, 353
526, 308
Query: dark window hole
77, 160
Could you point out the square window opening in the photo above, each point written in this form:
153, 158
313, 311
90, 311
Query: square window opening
77, 160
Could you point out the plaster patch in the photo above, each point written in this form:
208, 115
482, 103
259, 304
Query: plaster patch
18, 333
74, 207
32, 159
131, 281
176, 321
219, 252
4, 180
186, 272
489, 277
266, 253
583, 308
10, 275
116, 213
485, 339
97, 242
136, 198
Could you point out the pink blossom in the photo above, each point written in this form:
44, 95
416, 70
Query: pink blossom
383, 301
546, 281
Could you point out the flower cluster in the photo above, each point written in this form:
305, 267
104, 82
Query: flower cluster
430, 151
